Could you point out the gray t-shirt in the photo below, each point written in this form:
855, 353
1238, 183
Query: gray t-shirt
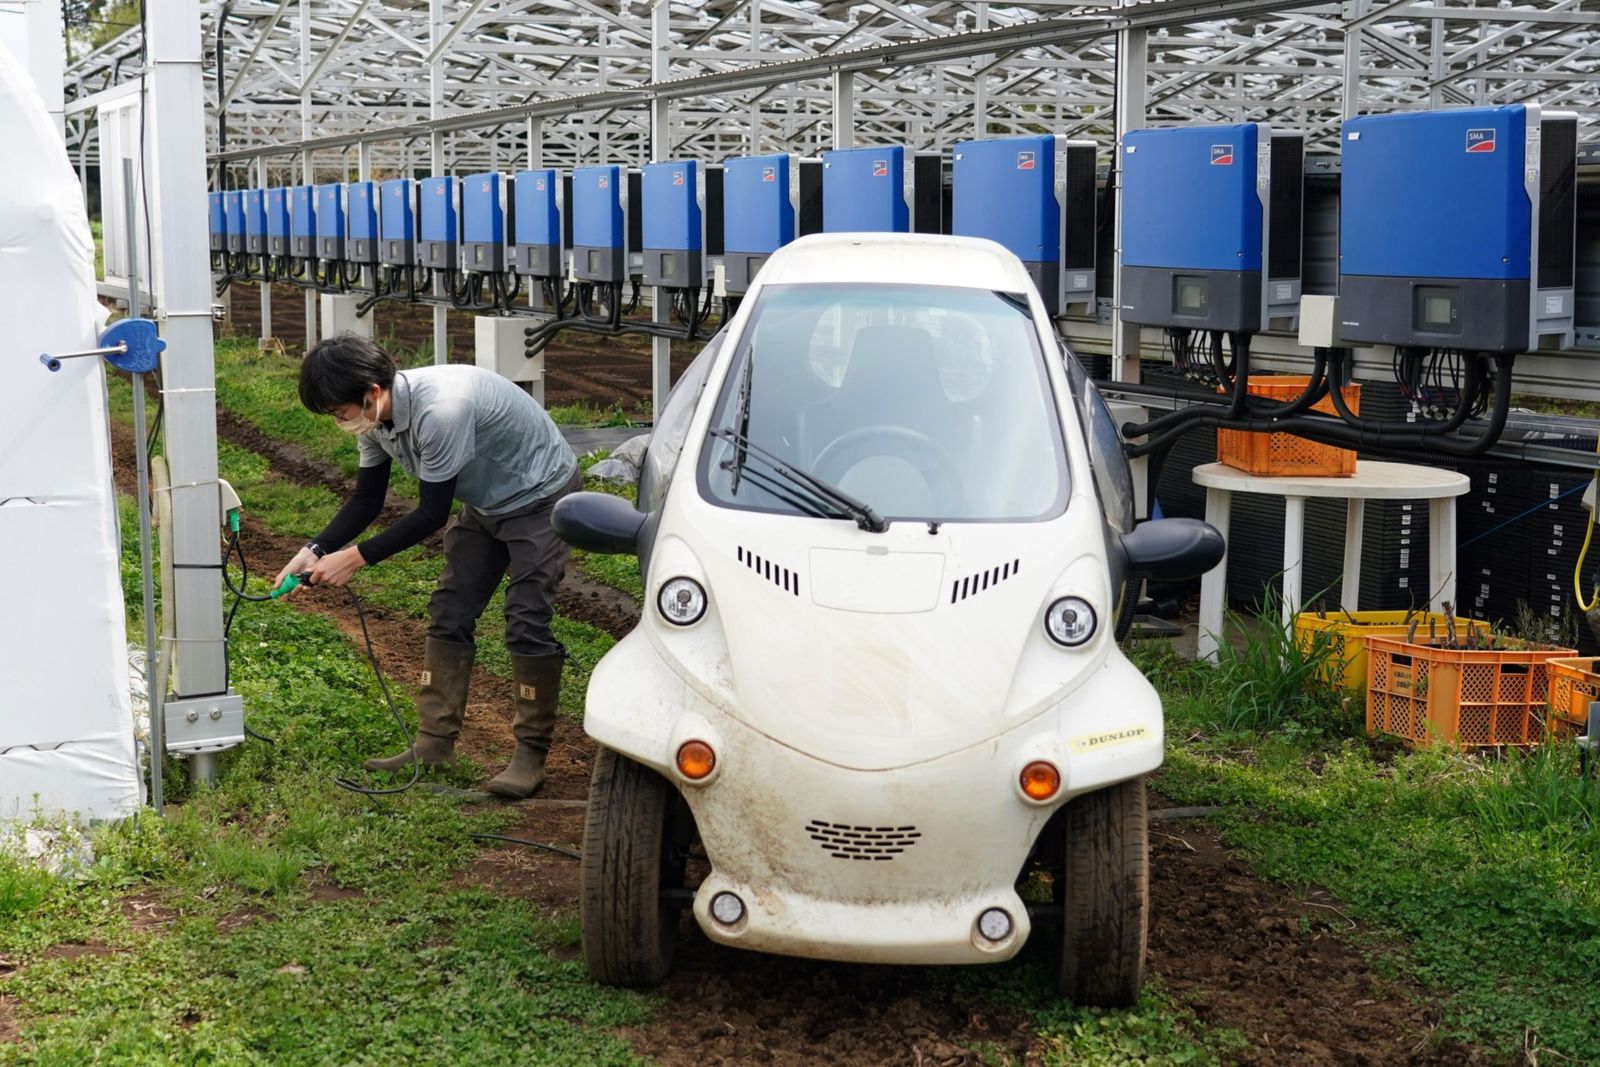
477, 427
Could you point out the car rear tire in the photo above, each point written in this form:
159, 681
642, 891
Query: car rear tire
634, 848
1105, 897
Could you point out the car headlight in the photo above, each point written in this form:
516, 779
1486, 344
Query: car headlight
1069, 621
682, 601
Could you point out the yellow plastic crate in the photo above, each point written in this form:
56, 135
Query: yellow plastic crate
1349, 630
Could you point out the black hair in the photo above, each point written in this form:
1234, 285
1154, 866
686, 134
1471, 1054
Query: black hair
341, 370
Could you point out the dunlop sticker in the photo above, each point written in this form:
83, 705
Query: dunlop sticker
1109, 739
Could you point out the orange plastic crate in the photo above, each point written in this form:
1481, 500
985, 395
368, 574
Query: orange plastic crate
1573, 684
1284, 453
1462, 698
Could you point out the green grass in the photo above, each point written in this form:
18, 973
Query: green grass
589, 415
258, 961
99, 249
1479, 876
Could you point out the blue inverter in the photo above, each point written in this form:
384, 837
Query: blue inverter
233, 218
361, 209
599, 228
277, 222
673, 225
1211, 227
483, 223
397, 228
864, 191
437, 227
330, 221
1457, 229
255, 222
767, 201
536, 223
1036, 197
218, 223
303, 222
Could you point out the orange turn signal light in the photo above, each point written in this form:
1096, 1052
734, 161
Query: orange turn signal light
696, 760
1040, 780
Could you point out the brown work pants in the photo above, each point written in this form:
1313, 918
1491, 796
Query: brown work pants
478, 551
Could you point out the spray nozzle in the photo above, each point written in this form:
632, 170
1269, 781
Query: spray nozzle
288, 585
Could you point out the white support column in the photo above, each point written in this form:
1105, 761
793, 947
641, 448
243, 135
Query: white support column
1354, 527
436, 31
1214, 583
45, 57
660, 149
1442, 553
1351, 103
177, 101
306, 173
534, 161
1132, 52
1436, 62
369, 275
1294, 550
980, 82
844, 109
265, 333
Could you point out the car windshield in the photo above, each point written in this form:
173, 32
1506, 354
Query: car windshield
912, 402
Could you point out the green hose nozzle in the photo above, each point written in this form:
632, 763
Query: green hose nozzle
288, 585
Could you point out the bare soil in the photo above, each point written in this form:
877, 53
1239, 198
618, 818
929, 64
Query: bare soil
579, 368
1283, 966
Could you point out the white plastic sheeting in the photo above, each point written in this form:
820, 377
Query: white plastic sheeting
66, 734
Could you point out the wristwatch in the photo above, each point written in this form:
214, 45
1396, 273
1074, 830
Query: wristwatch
317, 550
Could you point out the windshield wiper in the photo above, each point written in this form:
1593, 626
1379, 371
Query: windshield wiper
744, 450
740, 450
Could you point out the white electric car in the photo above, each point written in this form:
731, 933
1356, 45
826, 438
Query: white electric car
884, 524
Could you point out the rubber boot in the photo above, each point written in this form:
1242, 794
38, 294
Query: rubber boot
538, 681
441, 704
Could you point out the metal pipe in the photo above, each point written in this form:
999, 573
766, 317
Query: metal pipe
154, 700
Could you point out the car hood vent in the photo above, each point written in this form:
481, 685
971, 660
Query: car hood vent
962, 588
782, 577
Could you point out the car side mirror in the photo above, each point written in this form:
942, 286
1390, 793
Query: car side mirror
1169, 550
598, 522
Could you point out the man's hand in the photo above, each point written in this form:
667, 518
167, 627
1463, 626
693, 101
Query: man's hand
303, 561
336, 568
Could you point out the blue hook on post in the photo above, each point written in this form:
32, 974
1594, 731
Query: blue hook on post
130, 345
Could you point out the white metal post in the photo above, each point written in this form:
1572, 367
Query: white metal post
980, 82
660, 149
46, 57
844, 109
188, 371
1350, 105
305, 155
441, 316
1132, 51
265, 337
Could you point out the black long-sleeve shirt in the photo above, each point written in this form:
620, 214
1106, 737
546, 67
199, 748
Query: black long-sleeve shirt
366, 503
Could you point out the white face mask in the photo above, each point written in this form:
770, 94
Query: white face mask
360, 424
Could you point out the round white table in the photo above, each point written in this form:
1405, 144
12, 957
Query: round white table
1371, 481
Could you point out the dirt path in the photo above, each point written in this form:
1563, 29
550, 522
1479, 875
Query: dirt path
1274, 963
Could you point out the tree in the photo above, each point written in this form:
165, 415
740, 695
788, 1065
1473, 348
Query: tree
88, 24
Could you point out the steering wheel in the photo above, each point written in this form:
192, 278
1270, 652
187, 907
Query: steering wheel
936, 465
